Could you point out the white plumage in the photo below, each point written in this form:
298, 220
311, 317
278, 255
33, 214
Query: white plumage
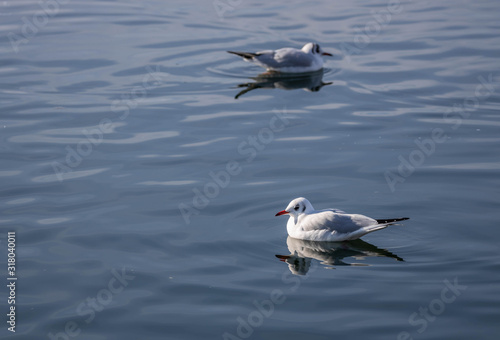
306, 223
288, 60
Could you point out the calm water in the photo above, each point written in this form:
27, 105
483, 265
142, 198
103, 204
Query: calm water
117, 116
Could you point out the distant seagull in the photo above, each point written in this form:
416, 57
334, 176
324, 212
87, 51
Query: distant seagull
288, 60
305, 223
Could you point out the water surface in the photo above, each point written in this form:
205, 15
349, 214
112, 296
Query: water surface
117, 115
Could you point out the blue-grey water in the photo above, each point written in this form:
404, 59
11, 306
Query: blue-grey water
142, 194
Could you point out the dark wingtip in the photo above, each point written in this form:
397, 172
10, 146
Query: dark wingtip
393, 220
246, 55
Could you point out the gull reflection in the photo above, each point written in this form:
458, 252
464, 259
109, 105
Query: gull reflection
330, 254
312, 81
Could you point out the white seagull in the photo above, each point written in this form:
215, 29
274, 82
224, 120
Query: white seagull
288, 60
305, 223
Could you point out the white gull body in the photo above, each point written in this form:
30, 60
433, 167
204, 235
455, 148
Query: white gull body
306, 223
288, 60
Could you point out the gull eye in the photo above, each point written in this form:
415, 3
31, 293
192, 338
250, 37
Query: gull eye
317, 48
296, 207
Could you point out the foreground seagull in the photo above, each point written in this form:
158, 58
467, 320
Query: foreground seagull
305, 223
288, 60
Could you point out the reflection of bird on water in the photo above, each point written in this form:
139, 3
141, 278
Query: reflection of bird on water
312, 81
329, 253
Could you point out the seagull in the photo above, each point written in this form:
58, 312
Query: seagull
288, 60
306, 223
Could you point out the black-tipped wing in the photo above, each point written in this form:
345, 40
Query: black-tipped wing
393, 220
246, 55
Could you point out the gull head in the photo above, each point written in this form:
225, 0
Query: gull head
315, 49
297, 207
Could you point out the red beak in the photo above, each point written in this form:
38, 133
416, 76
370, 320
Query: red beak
328, 54
282, 212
